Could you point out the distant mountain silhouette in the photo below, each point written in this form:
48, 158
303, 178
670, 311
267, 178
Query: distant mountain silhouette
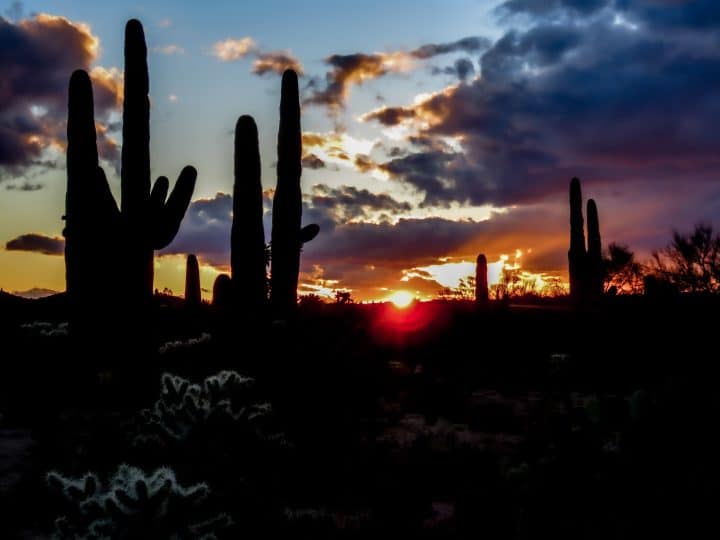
35, 292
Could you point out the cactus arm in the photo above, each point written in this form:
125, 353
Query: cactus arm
135, 167
158, 195
192, 282
167, 222
308, 232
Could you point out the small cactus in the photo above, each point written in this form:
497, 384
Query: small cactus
481, 280
133, 504
222, 292
185, 409
192, 282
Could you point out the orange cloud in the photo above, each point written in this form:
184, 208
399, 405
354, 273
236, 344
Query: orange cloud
169, 49
357, 68
349, 69
230, 50
276, 62
33, 96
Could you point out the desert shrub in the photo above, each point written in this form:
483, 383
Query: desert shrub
133, 504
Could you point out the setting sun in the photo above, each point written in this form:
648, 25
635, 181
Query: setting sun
401, 299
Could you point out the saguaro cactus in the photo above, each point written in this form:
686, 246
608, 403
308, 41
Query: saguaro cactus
192, 282
577, 254
222, 292
146, 220
248, 241
247, 253
481, 280
594, 251
585, 265
287, 203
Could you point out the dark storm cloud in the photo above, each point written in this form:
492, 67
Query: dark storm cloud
462, 69
350, 203
38, 243
468, 45
349, 69
311, 161
418, 242
205, 231
37, 56
366, 255
25, 186
543, 7
551, 103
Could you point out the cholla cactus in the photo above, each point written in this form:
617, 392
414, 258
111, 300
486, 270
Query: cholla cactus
185, 410
133, 504
186, 345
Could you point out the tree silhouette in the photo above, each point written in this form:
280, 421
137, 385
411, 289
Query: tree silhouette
622, 273
691, 262
343, 297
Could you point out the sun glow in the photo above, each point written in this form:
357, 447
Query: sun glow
401, 299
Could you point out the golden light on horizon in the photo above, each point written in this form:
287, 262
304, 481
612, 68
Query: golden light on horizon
401, 299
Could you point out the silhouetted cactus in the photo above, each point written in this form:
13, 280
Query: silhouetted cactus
133, 505
192, 282
585, 264
247, 252
481, 280
148, 220
287, 236
577, 254
222, 292
248, 241
594, 252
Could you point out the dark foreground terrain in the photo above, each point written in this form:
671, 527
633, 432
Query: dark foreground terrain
354, 421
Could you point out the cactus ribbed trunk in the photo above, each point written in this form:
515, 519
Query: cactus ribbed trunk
287, 203
481, 280
577, 254
192, 282
90, 211
247, 253
146, 221
594, 252
135, 171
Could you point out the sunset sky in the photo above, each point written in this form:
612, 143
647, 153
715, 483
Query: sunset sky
433, 130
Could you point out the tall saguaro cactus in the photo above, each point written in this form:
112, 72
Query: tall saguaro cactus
248, 240
247, 254
585, 264
147, 220
481, 280
192, 282
287, 203
594, 251
577, 254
